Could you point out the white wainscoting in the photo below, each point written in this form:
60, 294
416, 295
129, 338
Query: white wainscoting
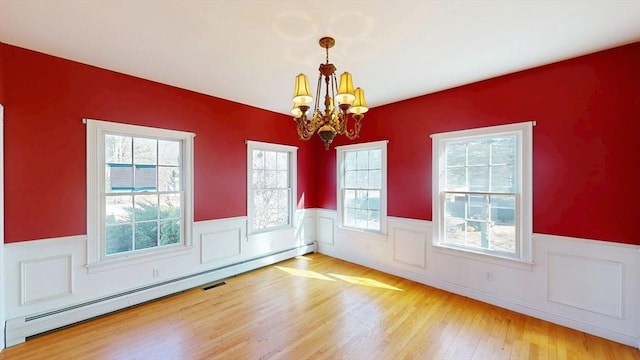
592, 286
48, 286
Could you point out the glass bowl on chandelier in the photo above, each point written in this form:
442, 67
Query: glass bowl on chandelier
331, 121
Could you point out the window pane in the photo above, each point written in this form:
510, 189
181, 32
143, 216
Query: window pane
349, 217
362, 178
168, 153
270, 179
456, 154
283, 200
362, 161
350, 179
282, 179
361, 218
145, 151
503, 150
375, 159
118, 238
258, 159
350, 198
455, 231
146, 207
283, 161
375, 179
170, 206
118, 209
456, 179
374, 220
455, 206
170, 232
503, 210
118, 178
258, 178
503, 178
146, 234
146, 177
479, 178
118, 149
270, 160
478, 152
350, 160
373, 202
168, 178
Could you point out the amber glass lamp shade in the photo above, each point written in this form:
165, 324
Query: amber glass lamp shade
345, 90
359, 105
302, 93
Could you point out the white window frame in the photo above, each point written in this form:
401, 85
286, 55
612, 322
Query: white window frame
96, 254
340, 155
293, 178
524, 134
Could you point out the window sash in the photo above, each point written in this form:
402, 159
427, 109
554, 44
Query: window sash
270, 186
181, 191
481, 226
362, 173
516, 189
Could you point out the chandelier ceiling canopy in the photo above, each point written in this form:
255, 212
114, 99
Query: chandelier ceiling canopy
332, 120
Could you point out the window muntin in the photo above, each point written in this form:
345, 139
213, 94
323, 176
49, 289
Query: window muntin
271, 186
482, 197
139, 190
362, 186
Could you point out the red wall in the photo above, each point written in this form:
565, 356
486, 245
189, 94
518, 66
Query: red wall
45, 100
586, 153
1, 75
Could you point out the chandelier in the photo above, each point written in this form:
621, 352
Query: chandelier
331, 121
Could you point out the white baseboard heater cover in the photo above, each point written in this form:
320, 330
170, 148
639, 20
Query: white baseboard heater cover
19, 329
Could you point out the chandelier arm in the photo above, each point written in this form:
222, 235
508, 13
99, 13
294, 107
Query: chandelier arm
303, 130
353, 133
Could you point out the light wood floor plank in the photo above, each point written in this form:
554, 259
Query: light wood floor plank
317, 307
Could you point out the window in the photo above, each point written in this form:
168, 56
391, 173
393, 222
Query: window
139, 189
271, 175
482, 190
362, 186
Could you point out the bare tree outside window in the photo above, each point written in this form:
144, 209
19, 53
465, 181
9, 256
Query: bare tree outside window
271, 189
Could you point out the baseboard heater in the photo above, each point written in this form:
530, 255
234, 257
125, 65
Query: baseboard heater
19, 329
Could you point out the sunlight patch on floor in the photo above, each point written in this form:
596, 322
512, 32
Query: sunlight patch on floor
365, 282
304, 273
362, 281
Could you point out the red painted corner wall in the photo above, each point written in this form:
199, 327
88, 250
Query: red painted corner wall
586, 157
45, 100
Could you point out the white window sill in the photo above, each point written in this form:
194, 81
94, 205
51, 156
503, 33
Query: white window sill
135, 259
484, 257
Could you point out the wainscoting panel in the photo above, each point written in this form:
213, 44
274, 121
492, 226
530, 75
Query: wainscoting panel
45, 279
585, 283
220, 245
409, 247
325, 230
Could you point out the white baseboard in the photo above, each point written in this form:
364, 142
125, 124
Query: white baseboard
18, 329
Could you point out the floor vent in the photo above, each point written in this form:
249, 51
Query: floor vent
209, 287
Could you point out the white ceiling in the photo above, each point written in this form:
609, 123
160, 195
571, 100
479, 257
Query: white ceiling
250, 51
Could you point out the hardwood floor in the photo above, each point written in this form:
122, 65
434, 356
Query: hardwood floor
317, 307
